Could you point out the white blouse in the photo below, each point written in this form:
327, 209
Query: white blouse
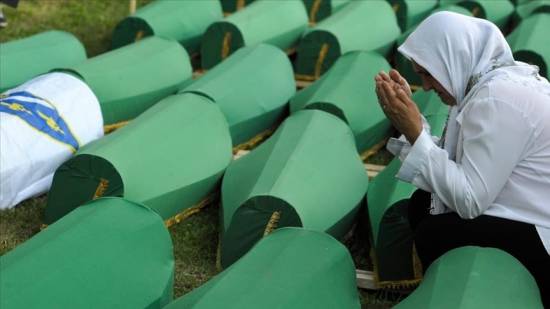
502, 164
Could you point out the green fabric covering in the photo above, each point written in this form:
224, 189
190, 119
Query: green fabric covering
387, 208
309, 171
402, 64
230, 6
345, 31
279, 23
110, 253
318, 10
252, 100
525, 10
521, 2
291, 268
23, 59
475, 277
411, 12
345, 92
496, 11
169, 159
448, 2
130, 79
184, 21
530, 43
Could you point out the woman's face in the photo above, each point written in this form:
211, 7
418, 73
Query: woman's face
429, 82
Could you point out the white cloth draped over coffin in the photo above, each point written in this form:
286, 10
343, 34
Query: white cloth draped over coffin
42, 123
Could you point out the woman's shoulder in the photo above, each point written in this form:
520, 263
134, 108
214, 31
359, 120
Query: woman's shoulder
528, 99
516, 90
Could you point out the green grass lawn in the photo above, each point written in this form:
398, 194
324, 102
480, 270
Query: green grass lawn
196, 239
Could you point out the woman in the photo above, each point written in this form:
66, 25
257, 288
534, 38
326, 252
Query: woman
489, 176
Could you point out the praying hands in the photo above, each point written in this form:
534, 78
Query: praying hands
394, 97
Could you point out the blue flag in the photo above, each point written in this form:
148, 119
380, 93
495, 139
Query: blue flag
42, 117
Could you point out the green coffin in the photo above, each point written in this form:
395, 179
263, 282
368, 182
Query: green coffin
252, 100
24, 59
308, 174
534, 7
475, 277
403, 65
393, 256
411, 12
130, 79
184, 21
345, 92
291, 268
279, 23
110, 253
346, 31
318, 10
530, 42
496, 11
169, 159
449, 2
521, 2
230, 6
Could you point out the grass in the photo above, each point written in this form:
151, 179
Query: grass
195, 240
91, 21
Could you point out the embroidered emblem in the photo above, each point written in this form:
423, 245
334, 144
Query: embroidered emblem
40, 115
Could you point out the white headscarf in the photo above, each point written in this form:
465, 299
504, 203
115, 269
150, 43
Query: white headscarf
461, 53
456, 49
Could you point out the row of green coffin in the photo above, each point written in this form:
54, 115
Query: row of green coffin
126, 81
321, 45
465, 278
113, 253
173, 20
317, 10
174, 173
279, 23
184, 21
409, 12
184, 142
333, 37
254, 25
341, 32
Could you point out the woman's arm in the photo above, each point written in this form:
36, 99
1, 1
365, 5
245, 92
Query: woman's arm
494, 137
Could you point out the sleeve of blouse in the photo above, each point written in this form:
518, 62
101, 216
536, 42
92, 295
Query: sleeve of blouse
495, 135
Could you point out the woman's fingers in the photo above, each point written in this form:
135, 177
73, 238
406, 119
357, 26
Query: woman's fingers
397, 78
403, 98
381, 94
384, 76
388, 90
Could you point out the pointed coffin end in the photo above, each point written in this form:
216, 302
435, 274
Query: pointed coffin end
255, 218
220, 40
83, 178
130, 30
317, 52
